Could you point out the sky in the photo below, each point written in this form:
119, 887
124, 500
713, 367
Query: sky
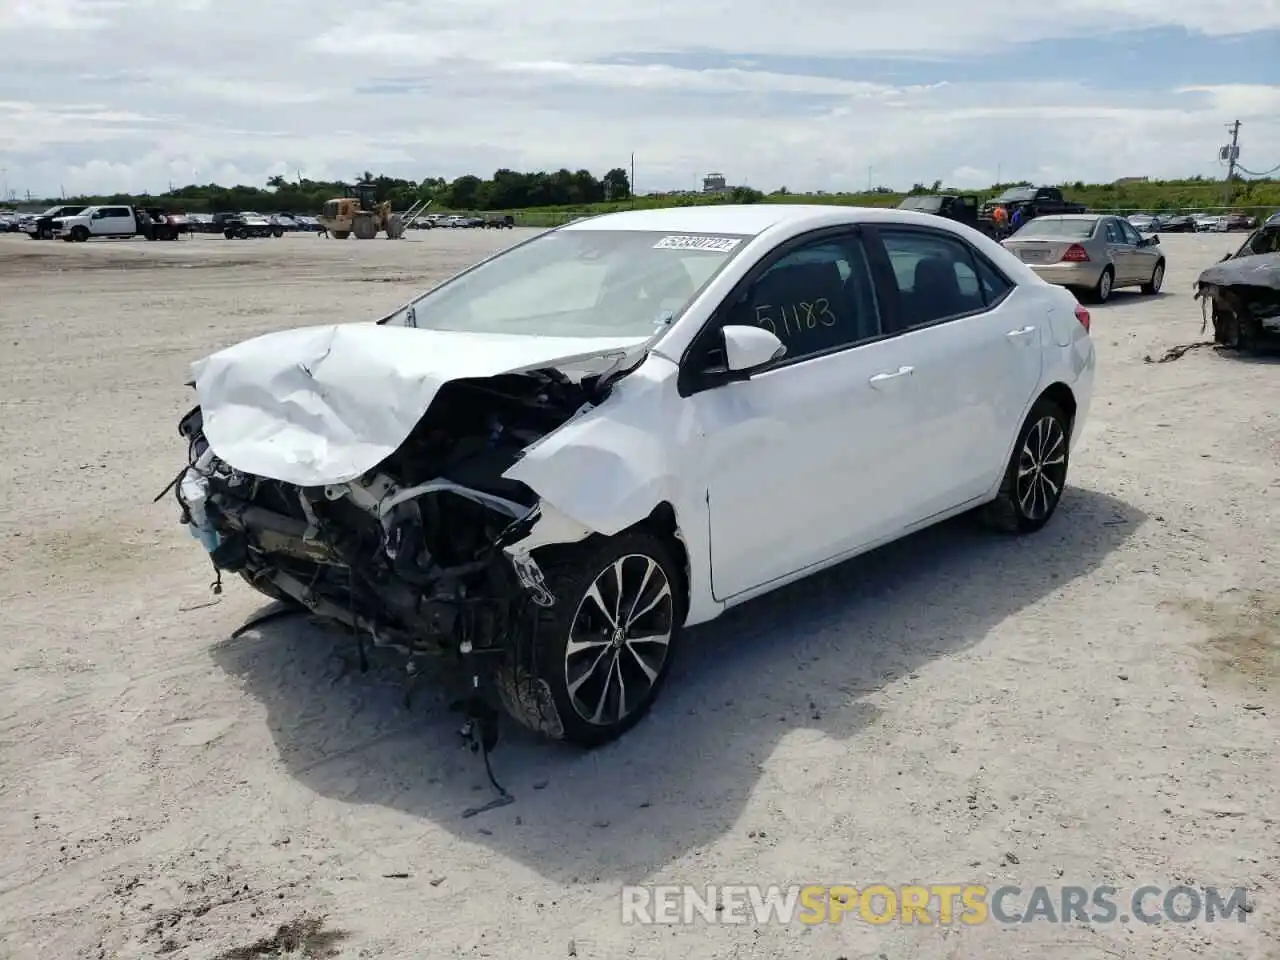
132, 95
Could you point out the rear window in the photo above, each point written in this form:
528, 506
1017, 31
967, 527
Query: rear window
922, 204
1057, 227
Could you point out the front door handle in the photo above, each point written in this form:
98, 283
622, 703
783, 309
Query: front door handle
1020, 333
882, 379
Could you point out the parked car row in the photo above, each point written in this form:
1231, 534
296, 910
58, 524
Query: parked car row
277, 224
431, 221
1192, 223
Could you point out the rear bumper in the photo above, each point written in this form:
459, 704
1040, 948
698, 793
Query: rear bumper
1070, 274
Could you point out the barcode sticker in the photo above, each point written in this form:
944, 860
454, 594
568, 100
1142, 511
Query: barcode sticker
717, 244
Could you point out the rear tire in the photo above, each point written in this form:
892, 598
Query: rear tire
1102, 291
341, 234
1036, 474
593, 675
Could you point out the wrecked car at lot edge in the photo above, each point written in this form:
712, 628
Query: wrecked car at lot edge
1241, 293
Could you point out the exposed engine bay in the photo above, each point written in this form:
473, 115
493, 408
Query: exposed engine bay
409, 555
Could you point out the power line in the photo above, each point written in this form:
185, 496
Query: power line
1264, 173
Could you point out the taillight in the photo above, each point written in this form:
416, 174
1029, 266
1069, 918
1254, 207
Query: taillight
1083, 316
1076, 254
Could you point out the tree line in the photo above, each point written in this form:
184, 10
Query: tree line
505, 190
551, 196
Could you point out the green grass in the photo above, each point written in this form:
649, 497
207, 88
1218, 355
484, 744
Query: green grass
1258, 198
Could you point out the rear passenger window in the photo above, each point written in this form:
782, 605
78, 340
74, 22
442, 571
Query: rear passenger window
994, 284
939, 277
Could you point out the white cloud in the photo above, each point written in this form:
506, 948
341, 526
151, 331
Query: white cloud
238, 91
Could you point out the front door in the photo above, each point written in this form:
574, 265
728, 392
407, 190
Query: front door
112, 221
801, 462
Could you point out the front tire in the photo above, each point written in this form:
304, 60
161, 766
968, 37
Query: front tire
602, 653
79, 234
1036, 474
1152, 287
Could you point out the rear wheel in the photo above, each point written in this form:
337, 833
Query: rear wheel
1102, 291
1152, 287
341, 234
602, 653
1036, 474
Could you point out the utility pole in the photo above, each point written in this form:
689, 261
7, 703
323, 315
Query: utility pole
1234, 152
1231, 154
633, 179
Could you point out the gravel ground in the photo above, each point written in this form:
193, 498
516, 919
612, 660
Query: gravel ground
1097, 704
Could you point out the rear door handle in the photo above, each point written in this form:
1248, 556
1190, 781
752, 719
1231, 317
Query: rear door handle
1020, 333
881, 380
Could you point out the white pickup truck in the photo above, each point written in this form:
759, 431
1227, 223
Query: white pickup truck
96, 222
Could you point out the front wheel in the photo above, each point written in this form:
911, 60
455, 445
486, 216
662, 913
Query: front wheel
79, 234
602, 653
1152, 287
1036, 473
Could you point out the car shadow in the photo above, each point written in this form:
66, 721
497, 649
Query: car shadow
808, 657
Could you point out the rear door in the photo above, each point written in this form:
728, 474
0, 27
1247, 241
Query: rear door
976, 353
1121, 250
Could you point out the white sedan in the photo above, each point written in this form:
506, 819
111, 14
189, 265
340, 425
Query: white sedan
553, 462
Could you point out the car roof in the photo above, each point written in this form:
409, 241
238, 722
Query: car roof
747, 219
1072, 216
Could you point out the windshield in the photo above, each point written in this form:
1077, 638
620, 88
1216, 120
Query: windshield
1016, 193
923, 204
1057, 227
577, 283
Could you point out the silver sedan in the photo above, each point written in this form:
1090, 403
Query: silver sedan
1090, 252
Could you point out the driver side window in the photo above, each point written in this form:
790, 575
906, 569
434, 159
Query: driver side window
815, 298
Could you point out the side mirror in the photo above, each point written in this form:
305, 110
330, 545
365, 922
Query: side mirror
1225, 257
1155, 238
748, 348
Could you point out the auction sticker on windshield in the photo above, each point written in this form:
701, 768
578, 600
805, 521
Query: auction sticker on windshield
717, 244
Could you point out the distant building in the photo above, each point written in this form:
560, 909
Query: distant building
715, 183
1123, 180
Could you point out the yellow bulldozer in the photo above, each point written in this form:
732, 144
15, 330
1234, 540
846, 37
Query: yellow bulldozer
360, 214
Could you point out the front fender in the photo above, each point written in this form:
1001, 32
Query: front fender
602, 472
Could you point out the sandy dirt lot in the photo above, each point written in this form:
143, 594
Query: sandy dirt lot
1097, 704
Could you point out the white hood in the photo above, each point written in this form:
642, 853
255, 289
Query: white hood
322, 405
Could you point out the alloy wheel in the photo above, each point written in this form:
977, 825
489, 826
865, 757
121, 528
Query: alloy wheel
1157, 278
1042, 468
619, 639
1104, 286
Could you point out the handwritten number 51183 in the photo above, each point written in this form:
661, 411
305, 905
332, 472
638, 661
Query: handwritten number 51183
797, 317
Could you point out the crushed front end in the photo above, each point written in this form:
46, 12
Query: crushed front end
422, 553
1242, 296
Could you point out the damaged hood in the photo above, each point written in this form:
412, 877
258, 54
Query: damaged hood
321, 405
1260, 270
